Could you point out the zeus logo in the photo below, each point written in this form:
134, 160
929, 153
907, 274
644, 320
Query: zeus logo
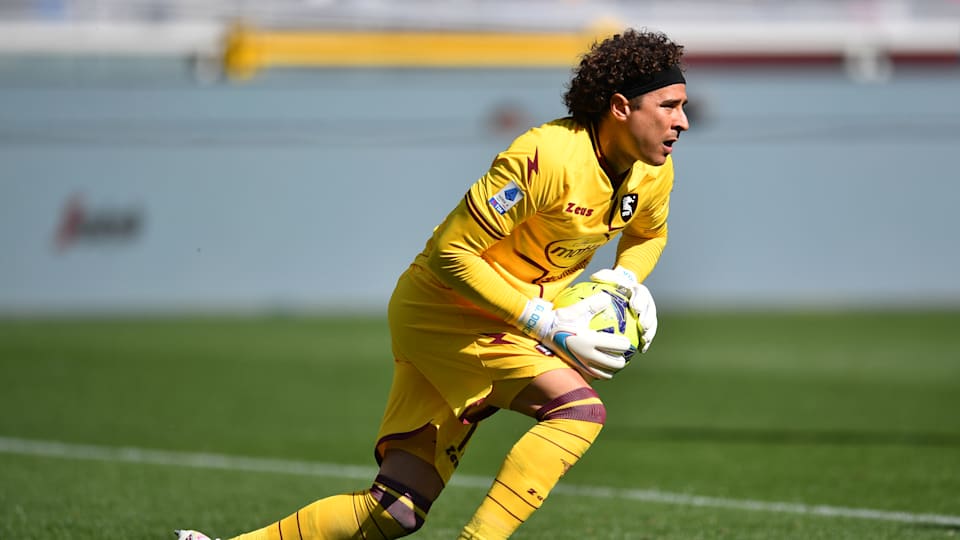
533, 165
572, 208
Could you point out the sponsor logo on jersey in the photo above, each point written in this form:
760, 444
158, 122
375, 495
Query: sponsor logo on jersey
504, 200
569, 252
562, 275
628, 206
574, 208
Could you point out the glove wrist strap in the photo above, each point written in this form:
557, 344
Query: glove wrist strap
629, 277
536, 318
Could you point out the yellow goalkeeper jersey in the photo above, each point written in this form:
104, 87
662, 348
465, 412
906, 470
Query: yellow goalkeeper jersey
533, 222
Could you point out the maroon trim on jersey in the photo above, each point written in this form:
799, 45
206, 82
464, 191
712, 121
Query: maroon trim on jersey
616, 179
614, 211
481, 221
477, 411
543, 271
545, 276
408, 434
395, 437
534, 264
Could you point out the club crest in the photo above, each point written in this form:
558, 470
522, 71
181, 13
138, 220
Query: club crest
628, 206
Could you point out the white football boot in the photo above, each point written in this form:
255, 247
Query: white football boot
192, 535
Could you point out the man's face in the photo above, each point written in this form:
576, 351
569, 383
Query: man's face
655, 122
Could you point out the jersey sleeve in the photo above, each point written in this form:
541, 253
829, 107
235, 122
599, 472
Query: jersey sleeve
644, 239
509, 193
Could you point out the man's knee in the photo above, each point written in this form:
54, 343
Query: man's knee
403, 506
581, 404
405, 462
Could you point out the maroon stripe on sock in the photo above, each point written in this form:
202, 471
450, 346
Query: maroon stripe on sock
280, 530
564, 448
299, 532
373, 519
356, 516
517, 495
593, 412
573, 395
505, 509
555, 428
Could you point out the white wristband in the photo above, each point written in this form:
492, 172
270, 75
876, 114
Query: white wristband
536, 318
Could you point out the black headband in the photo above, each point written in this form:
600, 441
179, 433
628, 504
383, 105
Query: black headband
666, 77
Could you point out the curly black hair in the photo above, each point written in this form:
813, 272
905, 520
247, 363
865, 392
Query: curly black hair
613, 63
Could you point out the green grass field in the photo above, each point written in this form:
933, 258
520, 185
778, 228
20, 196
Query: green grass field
734, 426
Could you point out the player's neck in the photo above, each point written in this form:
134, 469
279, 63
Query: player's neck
601, 139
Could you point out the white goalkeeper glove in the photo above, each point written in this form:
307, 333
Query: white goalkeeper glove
641, 301
566, 331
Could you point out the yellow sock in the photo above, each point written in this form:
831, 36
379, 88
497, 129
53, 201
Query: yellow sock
385, 511
567, 428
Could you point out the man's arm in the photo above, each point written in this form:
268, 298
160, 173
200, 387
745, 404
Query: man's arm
508, 194
639, 254
643, 241
456, 261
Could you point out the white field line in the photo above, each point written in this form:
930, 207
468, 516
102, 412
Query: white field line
52, 449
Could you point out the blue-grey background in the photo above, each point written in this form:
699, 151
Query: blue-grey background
312, 190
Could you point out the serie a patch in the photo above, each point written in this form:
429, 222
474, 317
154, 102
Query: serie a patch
504, 200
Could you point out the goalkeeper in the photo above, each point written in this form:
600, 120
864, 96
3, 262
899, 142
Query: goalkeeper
473, 329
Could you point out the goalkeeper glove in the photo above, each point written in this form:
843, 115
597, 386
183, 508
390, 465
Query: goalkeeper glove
566, 331
641, 301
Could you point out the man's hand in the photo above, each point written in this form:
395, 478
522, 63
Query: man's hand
641, 301
566, 331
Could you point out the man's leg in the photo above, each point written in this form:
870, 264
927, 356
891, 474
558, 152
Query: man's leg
569, 417
394, 506
415, 421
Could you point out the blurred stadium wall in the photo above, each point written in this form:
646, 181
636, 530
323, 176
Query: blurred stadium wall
239, 156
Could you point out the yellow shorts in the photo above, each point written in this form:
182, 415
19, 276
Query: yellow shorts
448, 357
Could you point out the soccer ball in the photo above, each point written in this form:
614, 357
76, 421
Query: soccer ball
616, 318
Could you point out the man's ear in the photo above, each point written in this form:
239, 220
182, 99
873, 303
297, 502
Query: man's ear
619, 106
